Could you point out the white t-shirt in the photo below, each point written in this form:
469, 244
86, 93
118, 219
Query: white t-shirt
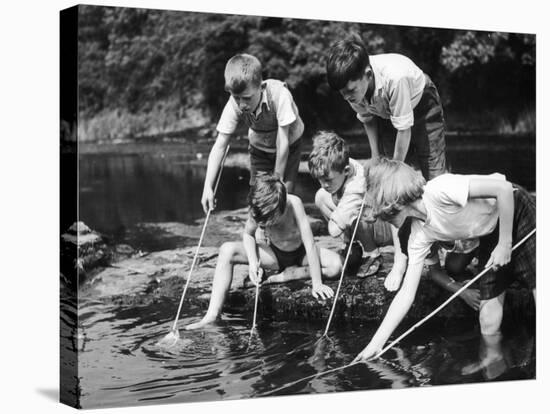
451, 215
398, 87
276, 109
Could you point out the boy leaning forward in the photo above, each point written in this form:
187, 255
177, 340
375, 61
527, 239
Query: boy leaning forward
397, 103
275, 126
400, 109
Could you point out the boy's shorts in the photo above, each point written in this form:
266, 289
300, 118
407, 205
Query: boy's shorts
355, 259
265, 161
287, 259
427, 147
522, 267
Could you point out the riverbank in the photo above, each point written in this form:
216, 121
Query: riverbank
116, 126
202, 144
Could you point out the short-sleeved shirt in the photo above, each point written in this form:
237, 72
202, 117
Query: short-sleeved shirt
276, 108
349, 204
398, 87
451, 214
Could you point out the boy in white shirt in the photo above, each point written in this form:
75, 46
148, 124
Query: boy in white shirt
397, 103
455, 207
399, 107
340, 197
275, 126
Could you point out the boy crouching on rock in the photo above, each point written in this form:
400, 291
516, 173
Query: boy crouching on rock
340, 197
288, 242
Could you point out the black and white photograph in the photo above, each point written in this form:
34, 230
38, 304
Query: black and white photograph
258, 206
274, 207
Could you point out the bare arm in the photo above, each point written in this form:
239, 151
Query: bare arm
402, 143
441, 278
398, 309
249, 243
311, 250
214, 162
504, 193
371, 128
282, 151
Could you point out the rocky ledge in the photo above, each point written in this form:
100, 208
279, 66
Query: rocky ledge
123, 276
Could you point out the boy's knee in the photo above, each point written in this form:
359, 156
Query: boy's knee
321, 198
333, 269
227, 251
333, 229
490, 317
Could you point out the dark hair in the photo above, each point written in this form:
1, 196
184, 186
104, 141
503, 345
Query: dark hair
330, 152
347, 61
267, 198
240, 71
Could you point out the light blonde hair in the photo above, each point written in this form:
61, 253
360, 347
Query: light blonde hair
392, 185
242, 70
329, 152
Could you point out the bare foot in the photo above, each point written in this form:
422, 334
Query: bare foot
290, 273
393, 280
201, 324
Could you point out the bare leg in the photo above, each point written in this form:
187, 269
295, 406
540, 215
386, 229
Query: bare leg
325, 203
441, 278
491, 358
289, 274
323, 200
365, 233
331, 266
230, 254
490, 314
331, 263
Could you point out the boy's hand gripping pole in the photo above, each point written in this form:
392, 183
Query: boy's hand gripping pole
357, 221
174, 331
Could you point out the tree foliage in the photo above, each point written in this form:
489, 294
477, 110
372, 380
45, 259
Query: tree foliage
140, 60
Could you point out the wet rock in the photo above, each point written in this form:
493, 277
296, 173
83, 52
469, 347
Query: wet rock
135, 275
142, 280
82, 251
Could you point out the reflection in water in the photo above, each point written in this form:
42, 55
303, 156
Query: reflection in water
498, 356
119, 363
118, 192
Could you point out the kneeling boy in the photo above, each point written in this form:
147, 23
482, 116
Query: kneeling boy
339, 199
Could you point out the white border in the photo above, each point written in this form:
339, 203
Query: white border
30, 207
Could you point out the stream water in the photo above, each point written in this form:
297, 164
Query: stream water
120, 364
